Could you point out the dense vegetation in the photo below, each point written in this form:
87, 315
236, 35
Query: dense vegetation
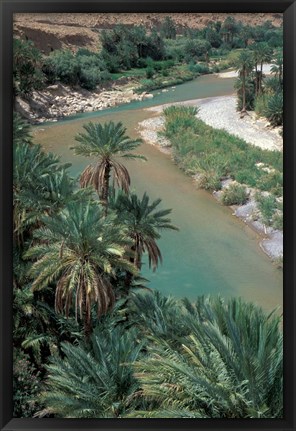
87, 343
164, 53
215, 155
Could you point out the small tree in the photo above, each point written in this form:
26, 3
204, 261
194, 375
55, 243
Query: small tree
27, 64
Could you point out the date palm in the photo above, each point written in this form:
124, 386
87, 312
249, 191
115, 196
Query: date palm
33, 176
105, 142
80, 250
95, 381
261, 53
245, 66
144, 223
228, 363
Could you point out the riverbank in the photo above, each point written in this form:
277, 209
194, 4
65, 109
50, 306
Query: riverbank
214, 111
220, 113
59, 101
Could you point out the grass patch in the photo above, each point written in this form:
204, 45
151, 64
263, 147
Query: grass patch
200, 148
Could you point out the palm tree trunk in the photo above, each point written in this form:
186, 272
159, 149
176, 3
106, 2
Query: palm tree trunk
260, 78
105, 188
244, 93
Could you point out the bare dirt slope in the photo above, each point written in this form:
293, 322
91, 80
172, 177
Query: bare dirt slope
64, 30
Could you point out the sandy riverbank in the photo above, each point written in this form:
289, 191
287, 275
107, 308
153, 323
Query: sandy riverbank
234, 73
220, 112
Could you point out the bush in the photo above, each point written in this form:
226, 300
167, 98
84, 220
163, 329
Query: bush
65, 66
210, 181
272, 181
26, 386
235, 194
201, 69
27, 68
196, 48
149, 72
274, 109
260, 104
267, 207
278, 221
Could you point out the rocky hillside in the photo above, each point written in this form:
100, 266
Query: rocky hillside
55, 31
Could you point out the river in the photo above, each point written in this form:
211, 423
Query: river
213, 252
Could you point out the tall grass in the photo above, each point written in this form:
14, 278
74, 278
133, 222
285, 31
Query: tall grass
199, 148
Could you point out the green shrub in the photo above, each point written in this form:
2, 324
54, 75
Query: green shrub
235, 194
65, 66
272, 181
278, 221
27, 68
274, 109
26, 386
210, 181
149, 72
201, 69
267, 207
260, 104
247, 176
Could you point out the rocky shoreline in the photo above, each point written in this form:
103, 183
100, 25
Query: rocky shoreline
271, 240
59, 101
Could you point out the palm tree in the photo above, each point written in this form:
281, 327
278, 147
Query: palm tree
105, 142
262, 53
228, 363
21, 130
94, 382
245, 66
277, 69
81, 251
144, 223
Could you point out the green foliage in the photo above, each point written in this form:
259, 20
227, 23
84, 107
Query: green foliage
65, 66
80, 250
274, 109
40, 185
27, 63
149, 72
224, 361
209, 180
123, 47
106, 142
196, 48
94, 381
143, 221
179, 118
260, 104
21, 130
26, 386
271, 181
278, 221
199, 69
235, 194
200, 149
267, 207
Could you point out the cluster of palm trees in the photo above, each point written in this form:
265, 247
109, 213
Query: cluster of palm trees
99, 347
77, 245
172, 359
250, 67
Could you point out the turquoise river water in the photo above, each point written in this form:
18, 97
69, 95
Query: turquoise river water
213, 252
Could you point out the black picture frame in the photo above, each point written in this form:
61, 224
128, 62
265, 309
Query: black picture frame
8, 8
